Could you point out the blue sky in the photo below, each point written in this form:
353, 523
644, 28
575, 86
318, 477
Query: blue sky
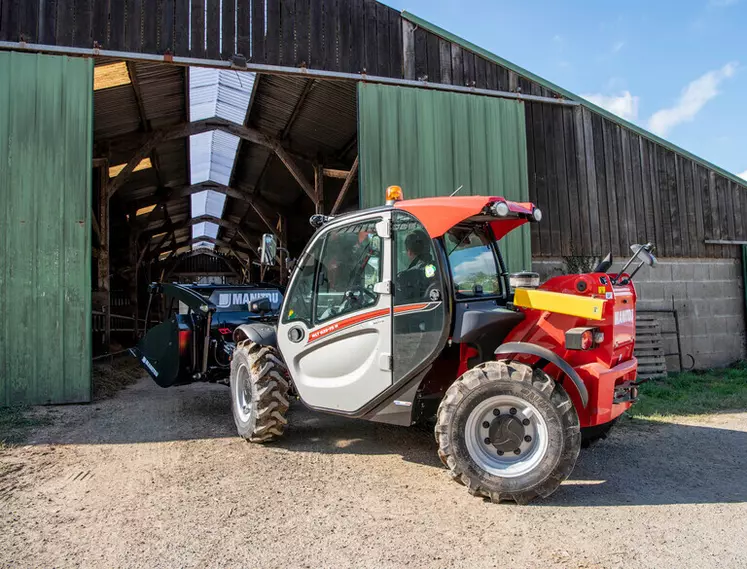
676, 67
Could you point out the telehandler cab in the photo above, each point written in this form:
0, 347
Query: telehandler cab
404, 312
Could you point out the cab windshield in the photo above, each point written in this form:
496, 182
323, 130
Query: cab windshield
337, 275
475, 269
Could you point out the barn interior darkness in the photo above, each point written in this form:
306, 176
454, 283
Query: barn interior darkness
192, 165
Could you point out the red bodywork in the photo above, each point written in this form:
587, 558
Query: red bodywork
605, 366
602, 368
438, 215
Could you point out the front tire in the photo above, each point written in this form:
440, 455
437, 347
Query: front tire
508, 432
259, 392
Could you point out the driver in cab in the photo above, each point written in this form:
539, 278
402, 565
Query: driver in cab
413, 282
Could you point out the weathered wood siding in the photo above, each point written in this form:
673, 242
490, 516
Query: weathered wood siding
602, 185
356, 36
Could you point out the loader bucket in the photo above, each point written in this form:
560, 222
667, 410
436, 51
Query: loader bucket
158, 353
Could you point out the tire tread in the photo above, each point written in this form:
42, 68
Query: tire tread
272, 383
536, 379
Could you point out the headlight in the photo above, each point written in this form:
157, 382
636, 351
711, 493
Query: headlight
500, 209
537, 214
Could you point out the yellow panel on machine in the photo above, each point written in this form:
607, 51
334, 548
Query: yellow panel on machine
581, 306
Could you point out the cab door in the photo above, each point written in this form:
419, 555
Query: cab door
335, 330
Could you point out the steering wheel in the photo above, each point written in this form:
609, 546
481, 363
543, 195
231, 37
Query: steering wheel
352, 299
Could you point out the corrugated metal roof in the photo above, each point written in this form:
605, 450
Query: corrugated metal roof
205, 229
215, 93
116, 112
323, 125
208, 203
212, 156
162, 89
219, 93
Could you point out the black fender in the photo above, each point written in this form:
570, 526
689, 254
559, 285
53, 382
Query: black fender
257, 332
552, 357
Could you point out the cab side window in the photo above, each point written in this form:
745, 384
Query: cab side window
414, 262
474, 267
301, 297
419, 310
349, 267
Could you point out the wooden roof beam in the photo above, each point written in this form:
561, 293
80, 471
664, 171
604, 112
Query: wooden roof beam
216, 242
345, 187
184, 130
332, 173
305, 185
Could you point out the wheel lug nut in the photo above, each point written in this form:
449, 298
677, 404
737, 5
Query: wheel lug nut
496, 412
528, 439
517, 451
513, 410
500, 453
485, 425
525, 422
487, 441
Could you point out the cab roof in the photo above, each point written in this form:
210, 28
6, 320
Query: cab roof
440, 214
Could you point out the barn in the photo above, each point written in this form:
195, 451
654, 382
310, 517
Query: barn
159, 139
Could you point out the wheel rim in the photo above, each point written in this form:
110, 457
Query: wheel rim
243, 393
500, 426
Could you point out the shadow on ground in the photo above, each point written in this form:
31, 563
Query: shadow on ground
641, 463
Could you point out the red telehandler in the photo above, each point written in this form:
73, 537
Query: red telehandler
406, 312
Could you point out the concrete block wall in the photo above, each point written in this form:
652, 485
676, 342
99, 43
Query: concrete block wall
708, 295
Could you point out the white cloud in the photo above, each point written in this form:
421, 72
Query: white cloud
692, 99
618, 46
624, 105
743, 175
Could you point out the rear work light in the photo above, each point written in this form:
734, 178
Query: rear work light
583, 338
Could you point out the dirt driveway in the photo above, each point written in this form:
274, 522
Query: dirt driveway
157, 478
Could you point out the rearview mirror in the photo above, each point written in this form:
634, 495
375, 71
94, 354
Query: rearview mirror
644, 254
268, 250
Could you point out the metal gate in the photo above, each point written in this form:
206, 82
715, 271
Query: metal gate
433, 142
46, 136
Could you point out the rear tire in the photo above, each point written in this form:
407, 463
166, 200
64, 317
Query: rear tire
497, 409
259, 392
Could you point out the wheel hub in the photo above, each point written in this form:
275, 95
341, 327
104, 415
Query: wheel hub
506, 433
243, 394
506, 436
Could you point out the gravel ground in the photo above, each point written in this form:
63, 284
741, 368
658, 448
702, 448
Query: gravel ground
157, 478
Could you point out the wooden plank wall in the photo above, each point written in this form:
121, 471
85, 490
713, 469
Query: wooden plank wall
601, 185
604, 187
355, 36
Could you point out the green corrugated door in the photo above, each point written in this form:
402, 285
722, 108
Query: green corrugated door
432, 142
46, 115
